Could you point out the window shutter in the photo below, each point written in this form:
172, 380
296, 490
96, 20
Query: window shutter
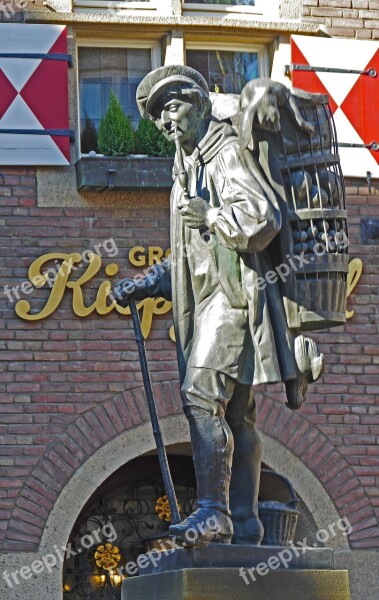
34, 120
353, 96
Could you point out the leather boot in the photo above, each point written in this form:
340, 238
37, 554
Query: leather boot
212, 448
248, 529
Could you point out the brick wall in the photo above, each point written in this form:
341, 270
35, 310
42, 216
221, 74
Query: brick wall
69, 384
56, 369
345, 18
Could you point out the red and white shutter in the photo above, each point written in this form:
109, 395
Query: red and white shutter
353, 97
34, 120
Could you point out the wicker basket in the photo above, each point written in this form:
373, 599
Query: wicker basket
305, 172
279, 519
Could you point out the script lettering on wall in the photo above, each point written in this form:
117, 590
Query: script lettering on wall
40, 276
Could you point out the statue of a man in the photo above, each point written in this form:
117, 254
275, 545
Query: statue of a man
230, 333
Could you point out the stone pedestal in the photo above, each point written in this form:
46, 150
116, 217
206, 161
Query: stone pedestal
223, 572
227, 584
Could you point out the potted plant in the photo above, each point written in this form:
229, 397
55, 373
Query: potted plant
88, 136
115, 136
115, 168
149, 140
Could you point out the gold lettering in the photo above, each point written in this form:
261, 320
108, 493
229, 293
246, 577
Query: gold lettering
77, 294
102, 308
139, 261
39, 279
353, 276
155, 254
137, 255
153, 306
150, 307
58, 279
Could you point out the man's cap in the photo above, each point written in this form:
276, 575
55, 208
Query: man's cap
158, 81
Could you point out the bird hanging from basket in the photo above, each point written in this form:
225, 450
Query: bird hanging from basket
260, 100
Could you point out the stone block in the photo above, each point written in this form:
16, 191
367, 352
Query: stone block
229, 583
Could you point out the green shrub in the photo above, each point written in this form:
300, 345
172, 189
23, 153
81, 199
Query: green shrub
149, 140
88, 136
116, 136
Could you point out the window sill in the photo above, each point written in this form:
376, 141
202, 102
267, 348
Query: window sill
100, 173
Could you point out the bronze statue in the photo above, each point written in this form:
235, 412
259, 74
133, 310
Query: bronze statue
231, 332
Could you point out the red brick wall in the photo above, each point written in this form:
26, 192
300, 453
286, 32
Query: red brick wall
69, 384
54, 370
345, 18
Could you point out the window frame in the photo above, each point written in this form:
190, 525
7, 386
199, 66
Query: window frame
260, 49
226, 9
134, 6
156, 61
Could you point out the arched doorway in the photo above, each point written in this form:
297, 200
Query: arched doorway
126, 516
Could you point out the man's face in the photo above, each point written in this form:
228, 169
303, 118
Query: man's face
179, 116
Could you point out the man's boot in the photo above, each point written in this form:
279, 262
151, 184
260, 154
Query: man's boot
212, 448
244, 488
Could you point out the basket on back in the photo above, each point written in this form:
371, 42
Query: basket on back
304, 169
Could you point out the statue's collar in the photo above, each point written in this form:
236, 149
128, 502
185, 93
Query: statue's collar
218, 134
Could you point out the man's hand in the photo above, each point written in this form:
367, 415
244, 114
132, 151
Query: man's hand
195, 213
129, 287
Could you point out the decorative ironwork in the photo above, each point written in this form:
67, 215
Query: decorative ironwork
162, 508
295, 67
126, 506
107, 557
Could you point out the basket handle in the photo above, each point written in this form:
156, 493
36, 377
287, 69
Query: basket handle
295, 499
293, 503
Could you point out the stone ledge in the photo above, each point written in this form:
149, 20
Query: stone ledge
43, 16
123, 173
226, 556
225, 584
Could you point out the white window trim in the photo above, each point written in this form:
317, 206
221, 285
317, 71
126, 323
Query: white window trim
156, 61
258, 9
260, 49
134, 5
154, 46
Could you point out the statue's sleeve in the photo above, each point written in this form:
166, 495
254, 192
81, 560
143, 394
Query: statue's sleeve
158, 282
249, 217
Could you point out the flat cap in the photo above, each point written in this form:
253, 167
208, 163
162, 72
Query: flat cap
156, 82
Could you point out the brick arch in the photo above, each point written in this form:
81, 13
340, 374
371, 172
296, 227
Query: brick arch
69, 451
323, 459
123, 412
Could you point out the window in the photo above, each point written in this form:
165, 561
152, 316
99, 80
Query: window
118, 6
228, 8
102, 69
227, 2
227, 71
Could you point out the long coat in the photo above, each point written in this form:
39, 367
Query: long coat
223, 319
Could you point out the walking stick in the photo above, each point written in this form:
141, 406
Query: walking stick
162, 456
